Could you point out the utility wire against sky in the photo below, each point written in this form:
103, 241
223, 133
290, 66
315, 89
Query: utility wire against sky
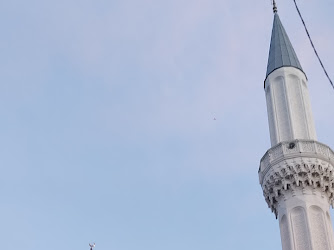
309, 37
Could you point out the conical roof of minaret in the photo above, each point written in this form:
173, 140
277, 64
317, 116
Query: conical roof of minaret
281, 53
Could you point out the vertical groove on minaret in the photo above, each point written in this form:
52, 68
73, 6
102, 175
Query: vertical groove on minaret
297, 108
330, 229
306, 120
272, 119
285, 234
282, 110
288, 98
318, 229
300, 229
309, 116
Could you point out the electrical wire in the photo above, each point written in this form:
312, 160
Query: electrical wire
315, 51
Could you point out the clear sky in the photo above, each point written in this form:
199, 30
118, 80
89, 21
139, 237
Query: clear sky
107, 129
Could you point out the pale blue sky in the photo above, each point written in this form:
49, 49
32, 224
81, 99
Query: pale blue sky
107, 130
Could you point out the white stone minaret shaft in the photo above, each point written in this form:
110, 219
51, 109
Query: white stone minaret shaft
288, 106
296, 174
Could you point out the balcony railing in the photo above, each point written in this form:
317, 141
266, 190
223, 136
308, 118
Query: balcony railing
293, 149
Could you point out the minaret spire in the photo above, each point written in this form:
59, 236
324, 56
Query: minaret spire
281, 53
274, 7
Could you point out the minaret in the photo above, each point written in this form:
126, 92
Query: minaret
296, 174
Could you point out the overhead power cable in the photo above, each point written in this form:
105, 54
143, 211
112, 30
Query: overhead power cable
315, 51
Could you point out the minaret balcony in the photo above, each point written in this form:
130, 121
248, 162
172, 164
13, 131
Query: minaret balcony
297, 166
294, 149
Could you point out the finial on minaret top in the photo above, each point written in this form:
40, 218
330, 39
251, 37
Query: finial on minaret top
274, 7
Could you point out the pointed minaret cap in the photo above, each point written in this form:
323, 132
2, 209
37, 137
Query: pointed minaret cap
281, 53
